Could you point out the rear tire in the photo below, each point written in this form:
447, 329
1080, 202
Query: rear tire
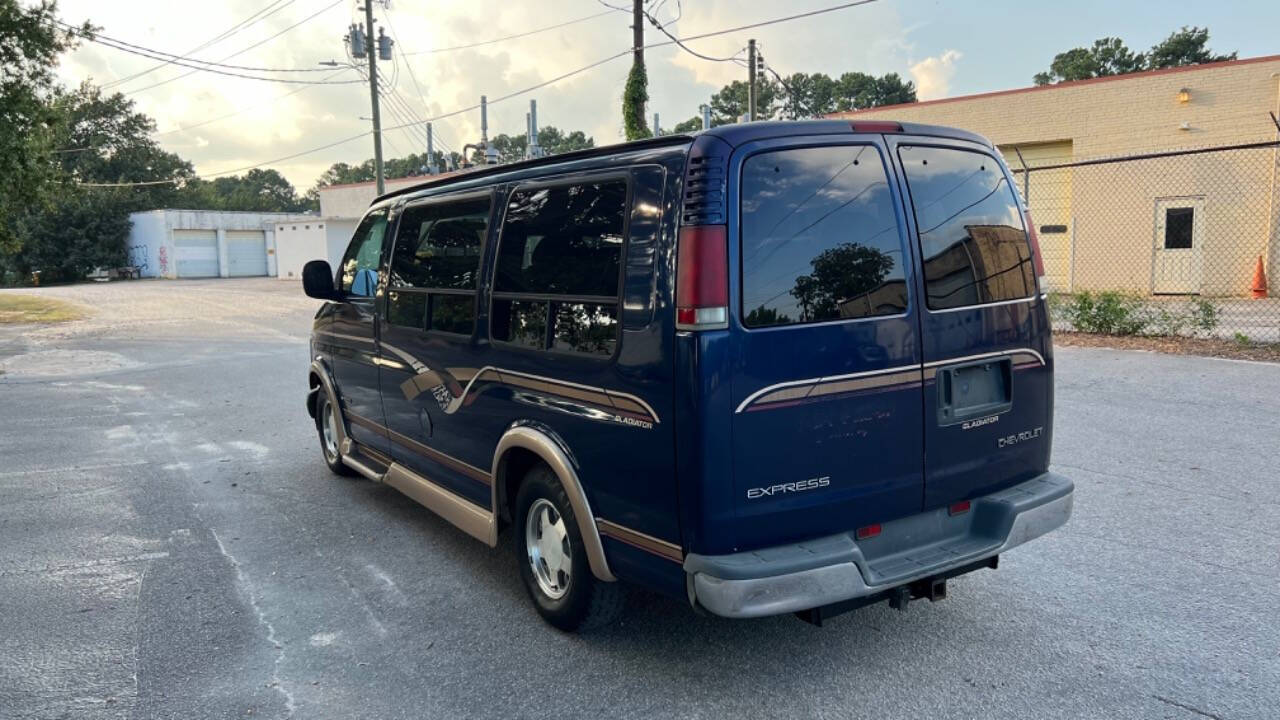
327, 424
553, 558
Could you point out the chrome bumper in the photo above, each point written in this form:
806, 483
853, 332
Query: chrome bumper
827, 570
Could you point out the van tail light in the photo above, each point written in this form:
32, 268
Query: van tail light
1037, 259
959, 508
702, 278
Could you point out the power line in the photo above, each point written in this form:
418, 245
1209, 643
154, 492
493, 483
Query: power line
217, 38
216, 71
242, 51
654, 21
661, 43
513, 94
775, 21
527, 33
179, 60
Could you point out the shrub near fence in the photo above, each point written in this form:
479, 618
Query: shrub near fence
1162, 243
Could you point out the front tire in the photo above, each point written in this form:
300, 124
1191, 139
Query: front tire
327, 424
553, 558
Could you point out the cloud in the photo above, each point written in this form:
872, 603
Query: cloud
933, 75
274, 120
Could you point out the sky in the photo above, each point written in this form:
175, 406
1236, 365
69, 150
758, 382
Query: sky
947, 47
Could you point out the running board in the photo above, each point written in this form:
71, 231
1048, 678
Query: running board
359, 465
472, 520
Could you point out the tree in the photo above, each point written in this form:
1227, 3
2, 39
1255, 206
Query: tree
804, 95
80, 230
840, 274
730, 103
1110, 56
551, 139
102, 139
30, 44
818, 94
256, 191
1184, 47
693, 124
634, 98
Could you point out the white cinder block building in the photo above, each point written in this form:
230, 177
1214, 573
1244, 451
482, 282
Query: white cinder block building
174, 244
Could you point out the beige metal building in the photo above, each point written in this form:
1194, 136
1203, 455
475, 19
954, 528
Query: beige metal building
1184, 224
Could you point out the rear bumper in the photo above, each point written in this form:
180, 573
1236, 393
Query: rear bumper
831, 569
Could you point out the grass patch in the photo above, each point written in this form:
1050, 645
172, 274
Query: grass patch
1211, 347
20, 309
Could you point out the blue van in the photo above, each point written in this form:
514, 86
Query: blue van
768, 368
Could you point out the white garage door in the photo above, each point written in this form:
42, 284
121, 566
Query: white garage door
246, 253
195, 253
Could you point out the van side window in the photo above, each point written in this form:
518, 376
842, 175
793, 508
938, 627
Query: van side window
558, 266
435, 265
359, 269
972, 238
820, 237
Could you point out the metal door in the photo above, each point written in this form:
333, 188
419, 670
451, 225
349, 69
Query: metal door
1179, 240
246, 253
195, 253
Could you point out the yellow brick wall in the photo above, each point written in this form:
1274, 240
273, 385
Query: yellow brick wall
1113, 206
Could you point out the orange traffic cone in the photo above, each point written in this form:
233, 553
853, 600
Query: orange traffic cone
1259, 287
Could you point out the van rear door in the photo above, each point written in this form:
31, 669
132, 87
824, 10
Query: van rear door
826, 379
984, 328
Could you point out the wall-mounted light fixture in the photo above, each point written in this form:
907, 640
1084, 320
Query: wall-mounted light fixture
1184, 96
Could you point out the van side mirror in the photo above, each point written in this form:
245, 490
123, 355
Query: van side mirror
317, 281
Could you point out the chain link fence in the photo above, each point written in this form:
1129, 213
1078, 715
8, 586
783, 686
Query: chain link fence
1161, 243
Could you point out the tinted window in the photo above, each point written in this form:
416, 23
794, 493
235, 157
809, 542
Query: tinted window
438, 245
819, 237
522, 322
972, 239
435, 265
453, 313
1178, 224
563, 240
586, 328
359, 271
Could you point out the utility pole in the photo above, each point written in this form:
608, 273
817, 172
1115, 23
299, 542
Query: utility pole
706, 117
373, 94
637, 32
431, 151
751, 80
657, 129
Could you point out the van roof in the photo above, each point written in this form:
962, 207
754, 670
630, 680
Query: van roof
734, 135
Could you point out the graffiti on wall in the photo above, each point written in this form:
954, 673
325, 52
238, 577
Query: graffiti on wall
164, 260
138, 257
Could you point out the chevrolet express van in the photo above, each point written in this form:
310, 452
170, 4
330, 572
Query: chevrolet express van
768, 368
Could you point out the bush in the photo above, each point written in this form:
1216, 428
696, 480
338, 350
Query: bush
1114, 313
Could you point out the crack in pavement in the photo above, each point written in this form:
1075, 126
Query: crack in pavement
246, 588
1188, 708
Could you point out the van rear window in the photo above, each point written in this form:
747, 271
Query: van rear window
972, 238
820, 237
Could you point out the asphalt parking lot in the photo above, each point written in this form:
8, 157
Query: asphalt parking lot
172, 546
